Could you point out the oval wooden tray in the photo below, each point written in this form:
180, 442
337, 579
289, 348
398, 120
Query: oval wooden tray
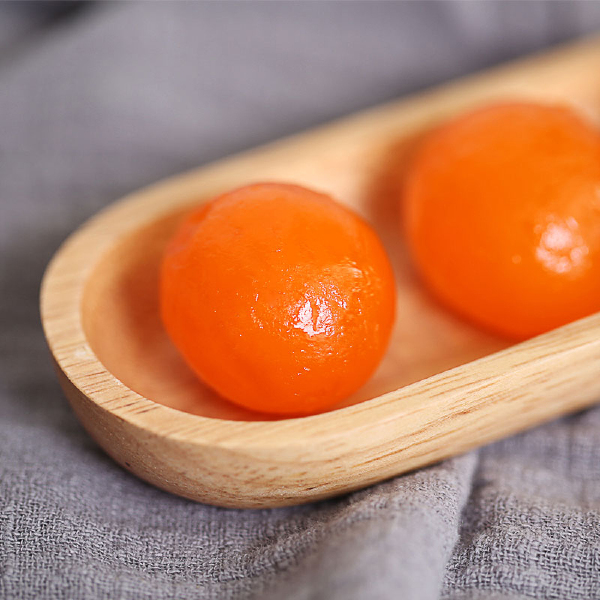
434, 395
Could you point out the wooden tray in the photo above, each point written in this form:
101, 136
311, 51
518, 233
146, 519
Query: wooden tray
434, 395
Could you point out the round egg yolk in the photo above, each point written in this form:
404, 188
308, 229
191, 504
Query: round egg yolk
278, 297
501, 212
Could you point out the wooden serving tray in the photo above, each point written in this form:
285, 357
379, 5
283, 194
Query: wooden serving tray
434, 396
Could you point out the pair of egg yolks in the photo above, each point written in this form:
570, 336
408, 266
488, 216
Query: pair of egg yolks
283, 301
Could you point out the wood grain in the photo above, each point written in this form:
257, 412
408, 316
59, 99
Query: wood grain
443, 388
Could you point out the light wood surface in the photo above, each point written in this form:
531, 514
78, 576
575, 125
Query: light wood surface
434, 395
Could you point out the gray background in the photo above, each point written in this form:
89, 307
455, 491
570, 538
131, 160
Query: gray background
97, 100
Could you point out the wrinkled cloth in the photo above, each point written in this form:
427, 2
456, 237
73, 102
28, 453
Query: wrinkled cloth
117, 95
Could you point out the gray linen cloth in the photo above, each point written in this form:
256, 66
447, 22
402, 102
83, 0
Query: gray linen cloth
118, 95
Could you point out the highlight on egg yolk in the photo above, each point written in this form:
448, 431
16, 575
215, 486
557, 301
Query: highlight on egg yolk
279, 298
502, 217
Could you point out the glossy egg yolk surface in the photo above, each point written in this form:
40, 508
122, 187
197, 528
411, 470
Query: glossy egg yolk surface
279, 298
502, 215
